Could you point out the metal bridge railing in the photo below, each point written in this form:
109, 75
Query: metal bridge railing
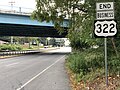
15, 10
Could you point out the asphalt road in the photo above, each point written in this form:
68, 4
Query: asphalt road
35, 72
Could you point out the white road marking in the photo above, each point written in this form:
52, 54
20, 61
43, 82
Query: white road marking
39, 74
11, 64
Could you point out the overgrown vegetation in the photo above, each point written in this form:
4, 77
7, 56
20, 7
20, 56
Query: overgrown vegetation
88, 66
90, 60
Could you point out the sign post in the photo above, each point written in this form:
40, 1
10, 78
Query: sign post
106, 68
105, 26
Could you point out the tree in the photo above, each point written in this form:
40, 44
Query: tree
81, 18
58, 10
43, 40
52, 42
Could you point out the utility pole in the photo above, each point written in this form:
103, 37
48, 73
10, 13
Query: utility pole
20, 11
11, 3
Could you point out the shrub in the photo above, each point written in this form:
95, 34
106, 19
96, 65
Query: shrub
10, 47
114, 65
78, 63
86, 61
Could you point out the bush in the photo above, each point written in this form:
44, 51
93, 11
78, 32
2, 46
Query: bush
88, 62
10, 47
77, 63
85, 61
114, 65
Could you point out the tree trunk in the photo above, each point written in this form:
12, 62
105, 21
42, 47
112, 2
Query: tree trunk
114, 46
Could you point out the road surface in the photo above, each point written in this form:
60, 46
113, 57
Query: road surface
35, 72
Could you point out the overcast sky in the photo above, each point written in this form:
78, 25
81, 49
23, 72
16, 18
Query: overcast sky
29, 5
19, 3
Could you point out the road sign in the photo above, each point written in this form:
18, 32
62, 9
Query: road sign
105, 28
105, 15
105, 11
105, 6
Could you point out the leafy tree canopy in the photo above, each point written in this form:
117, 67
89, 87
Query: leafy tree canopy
80, 15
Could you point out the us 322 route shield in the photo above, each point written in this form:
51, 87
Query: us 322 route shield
105, 28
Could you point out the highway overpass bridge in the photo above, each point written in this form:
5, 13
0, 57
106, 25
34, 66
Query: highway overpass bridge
22, 25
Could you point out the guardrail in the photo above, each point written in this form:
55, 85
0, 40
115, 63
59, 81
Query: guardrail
10, 53
15, 12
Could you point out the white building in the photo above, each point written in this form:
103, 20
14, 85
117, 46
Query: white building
3, 42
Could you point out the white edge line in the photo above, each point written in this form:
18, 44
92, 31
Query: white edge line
39, 74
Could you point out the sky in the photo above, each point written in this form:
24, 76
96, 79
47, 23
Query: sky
19, 3
22, 3
26, 4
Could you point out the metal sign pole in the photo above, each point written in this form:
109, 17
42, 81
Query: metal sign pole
106, 68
